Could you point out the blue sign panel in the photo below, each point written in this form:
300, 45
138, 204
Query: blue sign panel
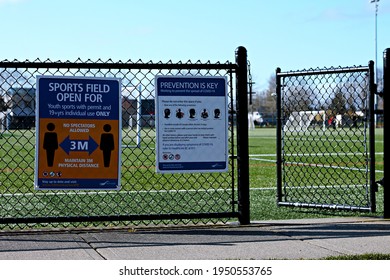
78, 133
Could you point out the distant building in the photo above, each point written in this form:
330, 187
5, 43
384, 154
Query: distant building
21, 104
137, 105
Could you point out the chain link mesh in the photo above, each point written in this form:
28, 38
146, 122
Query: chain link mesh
145, 196
325, 139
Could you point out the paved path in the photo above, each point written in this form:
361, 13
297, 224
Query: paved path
266, 240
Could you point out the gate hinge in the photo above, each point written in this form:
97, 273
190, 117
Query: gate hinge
381, 182
380, 93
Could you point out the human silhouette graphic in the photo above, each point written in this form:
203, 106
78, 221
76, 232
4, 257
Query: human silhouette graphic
217, 113
204, 114
107, 144
50, 143
192, 113
179, 114
167, 113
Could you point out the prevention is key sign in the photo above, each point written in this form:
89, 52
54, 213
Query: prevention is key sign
192, 124
78, 142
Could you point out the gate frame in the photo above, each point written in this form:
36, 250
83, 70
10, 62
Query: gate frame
386, 90
371, 122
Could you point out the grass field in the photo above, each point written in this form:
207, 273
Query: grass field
262, 147
146, 192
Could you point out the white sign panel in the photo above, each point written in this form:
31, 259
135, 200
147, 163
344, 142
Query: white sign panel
192, 124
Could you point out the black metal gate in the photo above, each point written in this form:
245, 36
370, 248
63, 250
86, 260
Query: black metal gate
145, 196
326, 138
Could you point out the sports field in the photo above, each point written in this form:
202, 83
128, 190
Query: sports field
313, 156
18, 197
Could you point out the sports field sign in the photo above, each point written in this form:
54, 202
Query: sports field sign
78, 144
192, 124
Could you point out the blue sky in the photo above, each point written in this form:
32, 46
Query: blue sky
292, 35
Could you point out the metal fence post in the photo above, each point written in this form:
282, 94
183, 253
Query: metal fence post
371, 120
278, 135
242, 136
386, 89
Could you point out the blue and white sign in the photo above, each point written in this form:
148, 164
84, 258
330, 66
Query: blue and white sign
192, 124
78, 143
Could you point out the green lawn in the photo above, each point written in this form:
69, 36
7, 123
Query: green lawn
145, 192
262, 150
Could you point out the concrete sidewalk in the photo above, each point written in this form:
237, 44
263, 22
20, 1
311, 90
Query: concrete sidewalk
287, 239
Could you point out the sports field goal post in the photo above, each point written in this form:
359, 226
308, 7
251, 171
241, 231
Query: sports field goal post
134, 93
300, 121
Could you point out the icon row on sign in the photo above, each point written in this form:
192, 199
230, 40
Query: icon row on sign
171, 157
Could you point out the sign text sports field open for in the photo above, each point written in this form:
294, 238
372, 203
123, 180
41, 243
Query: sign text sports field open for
78, 133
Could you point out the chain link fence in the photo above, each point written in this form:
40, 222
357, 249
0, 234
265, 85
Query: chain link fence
326, 138
146, 197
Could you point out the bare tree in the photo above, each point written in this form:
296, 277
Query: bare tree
3, 105
338, 104
264, 101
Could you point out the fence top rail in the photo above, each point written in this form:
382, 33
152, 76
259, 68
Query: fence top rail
89, 64
323, 71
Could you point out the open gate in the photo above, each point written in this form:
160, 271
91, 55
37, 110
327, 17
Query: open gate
326, 138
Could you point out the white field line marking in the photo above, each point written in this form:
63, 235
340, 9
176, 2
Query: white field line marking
110, 192
251, 157
306, 187
325, 166
313, 154
168, 191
